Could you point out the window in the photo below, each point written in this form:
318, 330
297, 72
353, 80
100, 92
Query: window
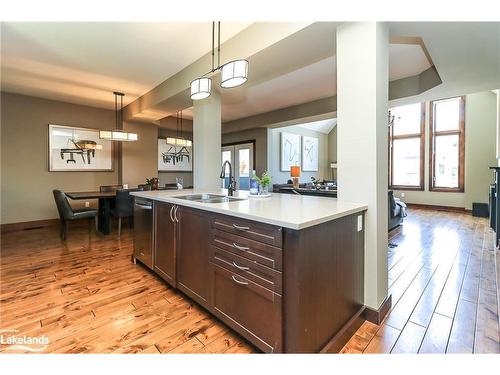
447, 145
406, 147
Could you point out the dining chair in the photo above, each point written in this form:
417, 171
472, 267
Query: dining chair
107, 188
67, 213
171, 186
124, 206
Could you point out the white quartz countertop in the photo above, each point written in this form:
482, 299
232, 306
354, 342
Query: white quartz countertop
285, 210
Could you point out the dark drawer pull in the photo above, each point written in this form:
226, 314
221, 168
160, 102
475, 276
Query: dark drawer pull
242, 268
238, 281
240, 227
242, 248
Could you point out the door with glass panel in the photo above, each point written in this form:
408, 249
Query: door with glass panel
241, 158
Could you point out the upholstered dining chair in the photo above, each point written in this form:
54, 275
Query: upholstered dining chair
124, 207
67, 213
106, 188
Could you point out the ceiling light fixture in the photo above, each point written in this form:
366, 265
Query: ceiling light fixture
233, 73
179, 139
118, 134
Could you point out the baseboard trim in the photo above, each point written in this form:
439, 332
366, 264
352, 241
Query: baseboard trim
346, 332
25, 225
439, 208
377, 316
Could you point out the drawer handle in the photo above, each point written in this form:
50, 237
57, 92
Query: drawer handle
241, 267
242, 248
240, 227
238, 281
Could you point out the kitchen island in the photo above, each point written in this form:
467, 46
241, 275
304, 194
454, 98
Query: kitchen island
285, 272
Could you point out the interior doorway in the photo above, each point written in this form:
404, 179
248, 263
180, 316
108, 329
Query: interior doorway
241, 157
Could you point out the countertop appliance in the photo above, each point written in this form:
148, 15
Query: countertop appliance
143, 231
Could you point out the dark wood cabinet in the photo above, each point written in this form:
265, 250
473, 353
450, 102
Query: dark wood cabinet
247, 307
194, 231
284, 290
165, 241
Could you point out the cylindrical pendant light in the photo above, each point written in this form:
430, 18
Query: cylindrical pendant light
201, 88
118, 134
234, 73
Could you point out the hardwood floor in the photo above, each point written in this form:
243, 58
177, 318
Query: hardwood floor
86, 296
443, 277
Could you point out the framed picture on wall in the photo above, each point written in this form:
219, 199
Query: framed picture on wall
173, 157
310, 154
74, 149
290, 150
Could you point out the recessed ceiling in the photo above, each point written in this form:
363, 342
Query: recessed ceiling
406, 60
466, 55
85, 62
315, 81
323, 126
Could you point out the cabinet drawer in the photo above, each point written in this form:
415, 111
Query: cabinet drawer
266, 255
262, 275
265, 233
253, 311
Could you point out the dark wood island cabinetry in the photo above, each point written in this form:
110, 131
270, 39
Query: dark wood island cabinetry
165, 241
284, 290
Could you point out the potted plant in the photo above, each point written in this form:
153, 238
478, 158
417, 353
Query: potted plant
264, 182
152, 183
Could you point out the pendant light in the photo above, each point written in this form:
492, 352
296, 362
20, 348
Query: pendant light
179, 139
118, 134
233, 73
201, 88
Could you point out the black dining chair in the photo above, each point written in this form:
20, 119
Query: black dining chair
107, 188
124, 207
171, 186
67, 213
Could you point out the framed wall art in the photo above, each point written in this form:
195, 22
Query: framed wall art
174, 157
290, 150
73, 149
310, 154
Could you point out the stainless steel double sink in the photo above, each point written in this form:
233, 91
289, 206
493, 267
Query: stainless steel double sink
208, 198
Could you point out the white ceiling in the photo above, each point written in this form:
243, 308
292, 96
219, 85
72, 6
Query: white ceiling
323, 126
85, 62
466, 55
315, 81
406, 60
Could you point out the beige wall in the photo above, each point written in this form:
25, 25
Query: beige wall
273, 154
26, 182
480, 151
332, 145
260, 137
139, 159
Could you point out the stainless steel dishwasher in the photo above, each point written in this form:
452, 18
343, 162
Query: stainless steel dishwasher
143, 231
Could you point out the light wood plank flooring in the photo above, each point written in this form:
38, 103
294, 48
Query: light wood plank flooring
443, 277
87, 297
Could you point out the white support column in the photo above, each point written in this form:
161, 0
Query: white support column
362, 105
207, 161
498, 125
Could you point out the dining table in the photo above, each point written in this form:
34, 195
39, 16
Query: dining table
105, 199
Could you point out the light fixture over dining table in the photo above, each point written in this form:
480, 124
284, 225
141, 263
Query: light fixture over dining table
118, 134
233, 73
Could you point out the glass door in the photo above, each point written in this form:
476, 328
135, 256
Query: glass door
241, 158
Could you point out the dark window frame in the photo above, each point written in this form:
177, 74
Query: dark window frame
461, 147
421, 136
